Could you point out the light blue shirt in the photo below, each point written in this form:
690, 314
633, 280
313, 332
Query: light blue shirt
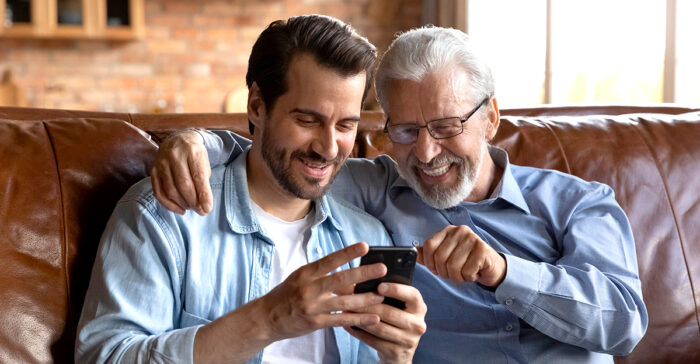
159, 276
571, 293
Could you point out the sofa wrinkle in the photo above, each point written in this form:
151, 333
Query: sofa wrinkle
639, 126
559, 143
64, 230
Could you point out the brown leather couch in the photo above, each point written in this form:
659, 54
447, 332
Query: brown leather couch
63, 171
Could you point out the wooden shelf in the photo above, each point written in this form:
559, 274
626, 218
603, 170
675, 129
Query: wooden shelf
44, 22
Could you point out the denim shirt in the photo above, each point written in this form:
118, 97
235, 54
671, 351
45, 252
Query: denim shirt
571, 292
159, 276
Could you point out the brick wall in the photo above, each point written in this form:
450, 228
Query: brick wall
195, 51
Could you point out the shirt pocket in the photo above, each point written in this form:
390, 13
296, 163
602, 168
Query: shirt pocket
188, 320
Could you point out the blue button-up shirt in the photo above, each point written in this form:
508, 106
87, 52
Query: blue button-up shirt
159, 276
571, 292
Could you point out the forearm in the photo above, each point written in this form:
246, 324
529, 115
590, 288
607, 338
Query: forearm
235, 337
583, 307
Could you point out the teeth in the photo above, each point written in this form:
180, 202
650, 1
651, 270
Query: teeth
315, 166
436, 171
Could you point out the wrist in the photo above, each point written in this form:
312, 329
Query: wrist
237, 335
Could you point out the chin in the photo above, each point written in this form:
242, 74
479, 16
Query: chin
440, 197
307, 188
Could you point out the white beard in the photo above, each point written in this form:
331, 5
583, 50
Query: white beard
439, 196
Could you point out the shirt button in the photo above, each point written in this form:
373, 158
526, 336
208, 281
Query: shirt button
415, 243
509, 301
318, 250
509, 327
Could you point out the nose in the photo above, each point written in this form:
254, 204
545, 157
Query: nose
426, 147
326, 143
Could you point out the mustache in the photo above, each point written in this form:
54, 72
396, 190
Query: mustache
315, 157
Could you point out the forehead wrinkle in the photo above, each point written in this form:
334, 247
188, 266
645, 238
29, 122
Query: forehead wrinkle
445, 94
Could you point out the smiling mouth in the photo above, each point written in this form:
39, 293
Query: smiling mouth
315, 169
434, 172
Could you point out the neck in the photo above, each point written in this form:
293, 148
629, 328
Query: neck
487, 180
268, 194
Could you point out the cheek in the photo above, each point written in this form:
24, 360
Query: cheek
468, 146
346, 143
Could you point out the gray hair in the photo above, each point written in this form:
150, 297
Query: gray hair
418, 52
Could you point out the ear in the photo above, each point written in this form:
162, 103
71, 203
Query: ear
494, 119
257, 114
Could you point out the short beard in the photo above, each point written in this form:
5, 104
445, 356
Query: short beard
281, 167
440, 196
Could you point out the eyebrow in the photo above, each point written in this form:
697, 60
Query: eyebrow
322, 117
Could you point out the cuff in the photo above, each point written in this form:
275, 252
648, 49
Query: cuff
520, 287
212, 144
176, 345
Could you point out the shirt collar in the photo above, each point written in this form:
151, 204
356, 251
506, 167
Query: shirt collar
239, 211
507, 188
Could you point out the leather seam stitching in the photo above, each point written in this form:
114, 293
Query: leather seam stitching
559, 143
64, 238
675, 219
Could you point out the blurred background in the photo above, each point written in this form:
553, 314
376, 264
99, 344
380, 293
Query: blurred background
191, 56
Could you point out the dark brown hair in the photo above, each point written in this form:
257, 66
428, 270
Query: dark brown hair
331, 42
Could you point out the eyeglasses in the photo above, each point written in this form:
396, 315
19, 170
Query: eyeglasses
439, 129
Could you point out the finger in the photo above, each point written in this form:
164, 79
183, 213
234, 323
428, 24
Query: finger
456, 261
168, 187
379, 344
473, 265
349, 289
389, 351
350, 303
201, 171
430, 245
344, 319
182, 176
160, 196
444, 250
335, 281
334, 260
384, 332
387, 338
419, 258
408, 294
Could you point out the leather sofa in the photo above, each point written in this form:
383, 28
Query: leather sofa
63, 171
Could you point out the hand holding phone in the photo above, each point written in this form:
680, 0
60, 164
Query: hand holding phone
400, 263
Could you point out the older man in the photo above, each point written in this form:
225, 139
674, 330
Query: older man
520, 264
249, 282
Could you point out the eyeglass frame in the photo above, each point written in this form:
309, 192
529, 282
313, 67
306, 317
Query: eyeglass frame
427, 124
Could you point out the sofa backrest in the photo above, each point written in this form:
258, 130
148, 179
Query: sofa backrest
59, 181
63, 171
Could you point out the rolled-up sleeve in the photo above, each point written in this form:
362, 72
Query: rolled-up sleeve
131, 311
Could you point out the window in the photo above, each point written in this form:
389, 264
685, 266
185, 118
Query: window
687, 58
592, 51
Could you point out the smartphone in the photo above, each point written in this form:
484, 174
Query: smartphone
400, 262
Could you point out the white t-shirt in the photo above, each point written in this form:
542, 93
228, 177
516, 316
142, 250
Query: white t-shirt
290, 240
